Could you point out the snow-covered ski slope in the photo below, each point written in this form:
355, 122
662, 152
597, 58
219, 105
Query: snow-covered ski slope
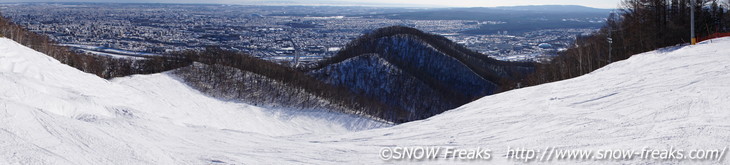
53, 114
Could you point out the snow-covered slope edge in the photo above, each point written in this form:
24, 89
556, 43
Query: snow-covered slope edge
52, 113
673, 97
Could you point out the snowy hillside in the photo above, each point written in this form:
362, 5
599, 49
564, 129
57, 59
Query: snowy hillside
421, 73
377, 78
52, 114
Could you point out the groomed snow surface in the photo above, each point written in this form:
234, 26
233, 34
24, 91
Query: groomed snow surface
54, 114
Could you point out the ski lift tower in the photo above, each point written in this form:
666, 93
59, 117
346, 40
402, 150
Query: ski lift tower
610, 42
610, 37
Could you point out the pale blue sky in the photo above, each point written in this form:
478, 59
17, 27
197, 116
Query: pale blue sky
414, 3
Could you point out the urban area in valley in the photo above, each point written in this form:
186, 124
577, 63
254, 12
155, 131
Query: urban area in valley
270, 32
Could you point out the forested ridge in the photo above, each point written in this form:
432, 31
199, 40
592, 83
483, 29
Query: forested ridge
277, 85
426, 74
638, 26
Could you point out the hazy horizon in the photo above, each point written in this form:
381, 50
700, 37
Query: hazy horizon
603, 4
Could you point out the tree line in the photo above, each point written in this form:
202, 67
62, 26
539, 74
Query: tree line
341, 98
639, 26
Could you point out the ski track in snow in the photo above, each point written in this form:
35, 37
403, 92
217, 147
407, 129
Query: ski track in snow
54, 114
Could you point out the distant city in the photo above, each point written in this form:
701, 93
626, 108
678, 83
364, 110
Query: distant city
268, 32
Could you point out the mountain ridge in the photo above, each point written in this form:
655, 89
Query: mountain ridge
555, 8
458, 75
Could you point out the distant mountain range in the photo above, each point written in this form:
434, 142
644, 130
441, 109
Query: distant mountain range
555, 8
